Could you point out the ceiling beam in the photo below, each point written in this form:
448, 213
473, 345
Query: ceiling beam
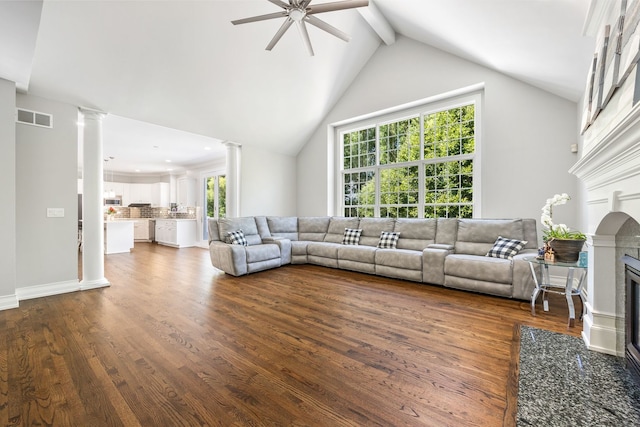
378, 22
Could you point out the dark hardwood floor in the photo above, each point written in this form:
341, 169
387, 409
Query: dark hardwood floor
173, 342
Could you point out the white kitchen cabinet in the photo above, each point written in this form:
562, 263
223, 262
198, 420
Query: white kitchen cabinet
160, 194
140, 193
186, 192
179, 233
115, 187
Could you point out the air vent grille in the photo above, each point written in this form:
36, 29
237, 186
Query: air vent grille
34, 118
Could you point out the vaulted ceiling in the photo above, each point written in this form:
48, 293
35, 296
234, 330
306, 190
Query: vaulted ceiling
182, 65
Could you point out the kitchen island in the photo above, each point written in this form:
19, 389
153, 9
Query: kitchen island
118, 236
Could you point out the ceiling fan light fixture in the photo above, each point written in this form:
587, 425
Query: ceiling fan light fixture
297, 14
301, 11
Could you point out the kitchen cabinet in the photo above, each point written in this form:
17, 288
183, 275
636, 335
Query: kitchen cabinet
157, 194
139, 193
160, 194
178, 233
186, 192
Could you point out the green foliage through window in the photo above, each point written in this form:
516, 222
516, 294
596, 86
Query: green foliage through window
420, 167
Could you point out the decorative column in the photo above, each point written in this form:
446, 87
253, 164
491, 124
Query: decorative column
234, 153
92, 209
599, 324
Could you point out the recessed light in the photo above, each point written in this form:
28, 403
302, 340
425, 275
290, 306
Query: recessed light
169, 170
137, 170
207, 148
168, 161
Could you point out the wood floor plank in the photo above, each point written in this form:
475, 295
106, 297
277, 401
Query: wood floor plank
175, 342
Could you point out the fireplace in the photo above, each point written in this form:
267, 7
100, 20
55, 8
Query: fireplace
632, 347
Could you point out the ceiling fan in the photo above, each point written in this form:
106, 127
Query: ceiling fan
301, 12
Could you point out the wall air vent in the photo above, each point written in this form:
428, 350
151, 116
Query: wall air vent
34, 118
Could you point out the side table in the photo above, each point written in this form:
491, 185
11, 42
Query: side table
568, 290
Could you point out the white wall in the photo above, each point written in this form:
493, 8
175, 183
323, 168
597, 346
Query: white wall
46, 177
526, 138
8, 186
267, 183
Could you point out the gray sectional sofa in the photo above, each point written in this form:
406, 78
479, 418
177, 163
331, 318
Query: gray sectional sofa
448, 252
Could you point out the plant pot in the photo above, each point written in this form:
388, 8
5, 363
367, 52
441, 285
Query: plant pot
566, 250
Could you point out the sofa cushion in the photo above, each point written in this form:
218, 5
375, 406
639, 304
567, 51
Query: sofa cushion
365, 254
335, 233
399, 258
476, 267
246, 224
416, 234
506, 248
477, 236
313, 228
388, 240
371, 229
324, 249
259, 253
351, 236
280, 226
237, 238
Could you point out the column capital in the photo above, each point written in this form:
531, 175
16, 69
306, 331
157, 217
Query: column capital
231, 144
92, 114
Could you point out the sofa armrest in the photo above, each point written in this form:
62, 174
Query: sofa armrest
523, 282
285, 247
433, 264
441, 246
232, 259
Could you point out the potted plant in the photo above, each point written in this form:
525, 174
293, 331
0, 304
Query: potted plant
566, 243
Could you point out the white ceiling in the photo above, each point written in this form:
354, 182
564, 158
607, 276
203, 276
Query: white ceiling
182, 65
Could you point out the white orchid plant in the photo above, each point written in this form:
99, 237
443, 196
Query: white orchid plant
557, 231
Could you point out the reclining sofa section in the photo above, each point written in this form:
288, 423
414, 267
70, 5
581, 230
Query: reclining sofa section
448, 252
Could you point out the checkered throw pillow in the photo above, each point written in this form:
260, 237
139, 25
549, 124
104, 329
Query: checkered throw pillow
506, 248
388, 240
351, 236
237, 237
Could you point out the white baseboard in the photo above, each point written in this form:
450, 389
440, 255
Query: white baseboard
94, 284
8, 301
600, 334
46, 290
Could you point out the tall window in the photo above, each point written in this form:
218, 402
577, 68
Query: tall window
418, 166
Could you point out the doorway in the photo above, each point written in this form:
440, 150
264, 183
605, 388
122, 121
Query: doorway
215, 196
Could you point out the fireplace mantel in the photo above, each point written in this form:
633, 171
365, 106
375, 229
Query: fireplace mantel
615, 157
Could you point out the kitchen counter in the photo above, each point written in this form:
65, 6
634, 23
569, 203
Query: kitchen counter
118, 236
176, 232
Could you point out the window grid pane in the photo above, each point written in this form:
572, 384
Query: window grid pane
448, 148
359, 193
359, 149
400, 141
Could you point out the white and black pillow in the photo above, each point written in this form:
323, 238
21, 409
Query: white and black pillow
506, 248
351, 236
237, 237
388, 240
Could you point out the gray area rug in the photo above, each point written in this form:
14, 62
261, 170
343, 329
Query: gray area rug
561, 383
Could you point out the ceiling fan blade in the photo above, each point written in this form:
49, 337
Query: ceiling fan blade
326, 27
285, 26
280, 3
302, 28
338, 5
304, 4
260, 18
